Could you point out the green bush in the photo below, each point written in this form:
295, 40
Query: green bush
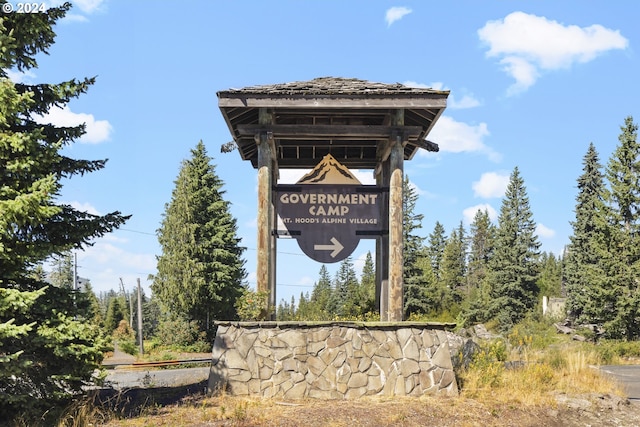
488, 363
182, 334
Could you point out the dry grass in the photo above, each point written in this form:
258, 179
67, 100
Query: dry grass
491, 395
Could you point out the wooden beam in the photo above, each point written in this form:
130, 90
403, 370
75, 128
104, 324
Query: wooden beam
337, 132
422, 101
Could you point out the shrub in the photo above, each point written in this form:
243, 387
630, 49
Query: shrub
252, 305
180, 333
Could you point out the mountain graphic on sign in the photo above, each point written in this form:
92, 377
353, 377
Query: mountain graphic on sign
329, 171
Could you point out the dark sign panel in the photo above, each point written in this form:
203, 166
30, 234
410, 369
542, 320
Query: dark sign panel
329, 220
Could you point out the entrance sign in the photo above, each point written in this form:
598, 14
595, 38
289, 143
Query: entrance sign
328, 220
302, 125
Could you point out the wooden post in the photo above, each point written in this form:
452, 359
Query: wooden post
382, 246
396, 257
265, 266
140, 341
273, 215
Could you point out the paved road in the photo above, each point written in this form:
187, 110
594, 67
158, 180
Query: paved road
628, 376
143, 378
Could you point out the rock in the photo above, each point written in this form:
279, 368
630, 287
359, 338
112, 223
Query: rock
564, 329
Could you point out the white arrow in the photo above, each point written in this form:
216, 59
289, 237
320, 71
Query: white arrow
336, 247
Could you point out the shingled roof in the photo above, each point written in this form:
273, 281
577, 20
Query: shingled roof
349, 118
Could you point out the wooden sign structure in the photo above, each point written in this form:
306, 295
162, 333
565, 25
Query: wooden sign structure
362, 125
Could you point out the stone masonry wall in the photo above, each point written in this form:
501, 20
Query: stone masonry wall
331, 360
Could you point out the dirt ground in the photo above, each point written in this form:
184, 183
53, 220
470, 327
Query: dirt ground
200, 411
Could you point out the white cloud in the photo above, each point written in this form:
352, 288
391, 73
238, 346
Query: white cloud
83, 207
469, 213
396, 13
85, 6
467, 101
528, 44
74, 17
26, 76
105, 263
97, 130
491, 184
544, 231
457, 137
89, 6
420, 192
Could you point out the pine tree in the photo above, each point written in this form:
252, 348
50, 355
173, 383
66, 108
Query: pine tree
321, 296
513, 270
454, 269
368, 285
343, 301
481, 238
414, 302
623, 173
435, 248
62, 270
56, 351
476, 305
201, 270
550, 279
589, 299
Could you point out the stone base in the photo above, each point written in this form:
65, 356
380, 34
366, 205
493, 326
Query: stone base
331, 360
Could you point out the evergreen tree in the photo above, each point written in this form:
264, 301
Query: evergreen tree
481, 237
151, 313
368, 285
435, 248
413, 250
303, 312
321, 295
56, 352
343, 301
589, 299
454, 269
117, 311
623, 173
550, 279
200, 271
62, 270
513, 270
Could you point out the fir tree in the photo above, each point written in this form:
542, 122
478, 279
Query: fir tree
368, 285
550, 279
414, 302
513, 269
454, 269
623, 173
201, 270
55, 353
321, 295
588, 298
481, 238
62, 270
343, 301
435, 248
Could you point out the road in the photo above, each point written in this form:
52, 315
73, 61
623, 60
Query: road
153, 378
628, 376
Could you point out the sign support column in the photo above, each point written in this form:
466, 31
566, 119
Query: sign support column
382, 246
396, 257
265, 269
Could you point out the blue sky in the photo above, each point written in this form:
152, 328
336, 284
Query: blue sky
532, 84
